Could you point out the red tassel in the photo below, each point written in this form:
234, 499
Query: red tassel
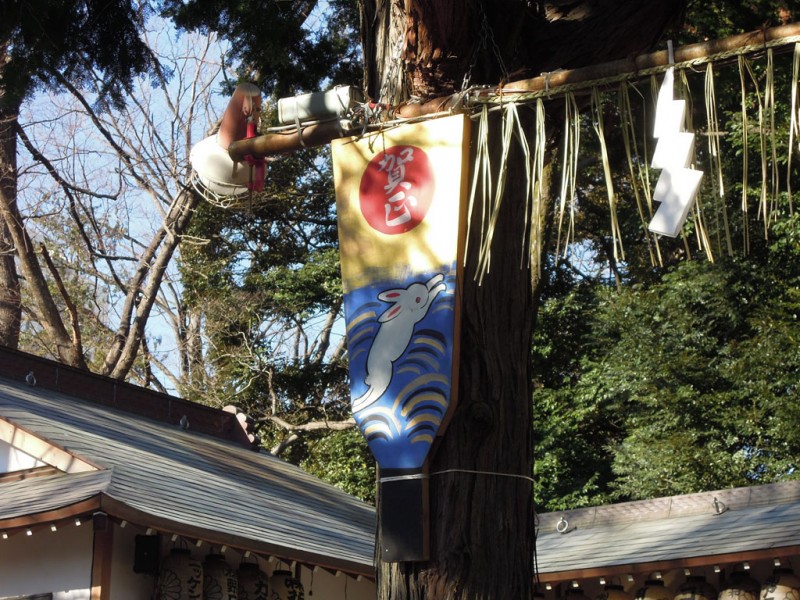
258, 166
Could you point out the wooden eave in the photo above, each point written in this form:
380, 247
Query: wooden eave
121, 511
78, 509
669, 565
22, 474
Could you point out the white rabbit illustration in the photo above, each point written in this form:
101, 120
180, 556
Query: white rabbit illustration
410, 305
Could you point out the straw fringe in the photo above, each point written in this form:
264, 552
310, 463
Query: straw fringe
597, 121
712, 221
794, 126
569, 172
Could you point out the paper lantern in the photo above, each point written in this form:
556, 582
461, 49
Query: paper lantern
219, 580
653, 589
614, 591
575, 593
253, 582
696, 588
285, 586
782, 585
180, 577
740, 586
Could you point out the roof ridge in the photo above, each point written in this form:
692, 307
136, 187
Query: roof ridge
105, 391
711, 502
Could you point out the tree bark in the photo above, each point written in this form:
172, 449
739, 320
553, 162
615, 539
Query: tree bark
382, 33
13, 231
481, 502
10, 300
439, 43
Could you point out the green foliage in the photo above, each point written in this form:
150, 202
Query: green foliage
684, 385
715, 374
571, 461
274, 48
343, 459
678, 378
39, 38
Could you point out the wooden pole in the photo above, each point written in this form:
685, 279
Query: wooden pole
698, 53
283, 143
102, 546
626, 68
693, 54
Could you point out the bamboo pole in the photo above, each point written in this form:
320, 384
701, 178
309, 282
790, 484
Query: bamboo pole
644, 64
557, 82
271, 144
544, 85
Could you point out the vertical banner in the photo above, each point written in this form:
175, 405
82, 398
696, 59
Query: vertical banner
400, 197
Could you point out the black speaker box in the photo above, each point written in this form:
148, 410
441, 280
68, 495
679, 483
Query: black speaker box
146, 554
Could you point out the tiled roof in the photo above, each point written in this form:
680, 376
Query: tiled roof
185, 482
702, 529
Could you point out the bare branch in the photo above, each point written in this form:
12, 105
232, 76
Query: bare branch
181, 215
311, 425
123, 154
68, 186
322, 343
71, 308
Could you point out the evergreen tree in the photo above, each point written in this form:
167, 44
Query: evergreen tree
656, 370
280, 356
53, 44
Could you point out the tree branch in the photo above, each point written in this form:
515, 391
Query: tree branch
65, 350
310, 426
179, 217
122, 153
67, 186
278, 448
71, 308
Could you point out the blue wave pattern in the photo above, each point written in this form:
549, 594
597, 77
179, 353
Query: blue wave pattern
401, 422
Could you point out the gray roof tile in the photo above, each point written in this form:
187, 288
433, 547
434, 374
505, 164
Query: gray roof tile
186, 479
671, 529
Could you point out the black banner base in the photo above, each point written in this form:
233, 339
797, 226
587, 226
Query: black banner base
403, 516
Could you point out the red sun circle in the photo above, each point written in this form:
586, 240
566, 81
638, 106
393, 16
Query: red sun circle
397, 189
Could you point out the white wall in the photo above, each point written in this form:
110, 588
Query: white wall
58, 562
61, 562
125, 584
12, 459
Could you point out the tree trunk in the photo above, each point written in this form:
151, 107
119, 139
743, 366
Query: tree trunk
481, 500
10, 304
13, 230
481, 503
